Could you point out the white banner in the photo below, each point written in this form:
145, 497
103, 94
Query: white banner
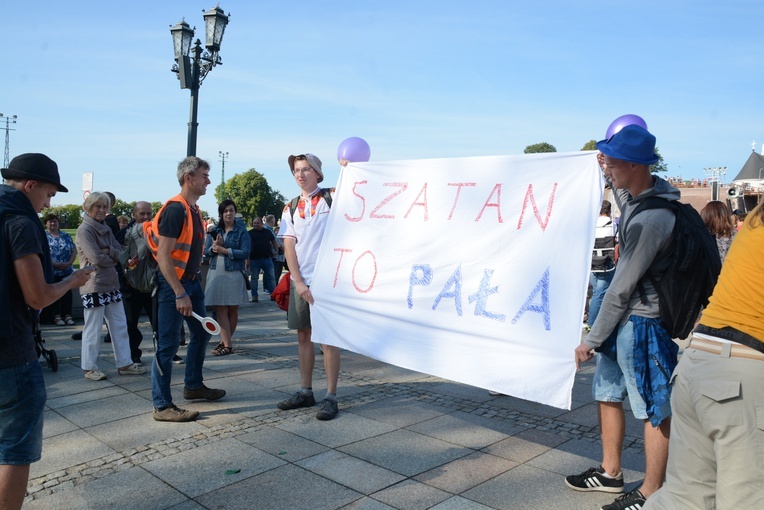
471, 269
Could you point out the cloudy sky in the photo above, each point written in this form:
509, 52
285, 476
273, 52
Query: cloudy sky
91, 84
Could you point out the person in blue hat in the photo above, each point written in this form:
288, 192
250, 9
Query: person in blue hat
26, 286
626, 158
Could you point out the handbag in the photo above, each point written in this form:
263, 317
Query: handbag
246, 279
281, 293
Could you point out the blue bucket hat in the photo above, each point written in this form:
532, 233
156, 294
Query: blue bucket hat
632, 143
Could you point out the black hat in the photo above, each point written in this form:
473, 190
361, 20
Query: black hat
37, 167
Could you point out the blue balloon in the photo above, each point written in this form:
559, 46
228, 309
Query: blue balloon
354, 149
623, 121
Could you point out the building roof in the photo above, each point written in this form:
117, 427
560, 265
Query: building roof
752, 171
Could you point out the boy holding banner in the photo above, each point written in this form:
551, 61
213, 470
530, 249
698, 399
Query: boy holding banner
302, 228
626, 158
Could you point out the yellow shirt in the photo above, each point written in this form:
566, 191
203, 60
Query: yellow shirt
738, 298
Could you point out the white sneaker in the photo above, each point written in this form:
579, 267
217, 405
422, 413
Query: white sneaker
95, 375
133, 369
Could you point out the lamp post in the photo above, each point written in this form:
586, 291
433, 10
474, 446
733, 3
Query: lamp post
717, 178
8, 121
193, 64
717, 173
223, 156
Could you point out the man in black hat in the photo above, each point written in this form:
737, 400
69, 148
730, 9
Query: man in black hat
630, 310
31, 181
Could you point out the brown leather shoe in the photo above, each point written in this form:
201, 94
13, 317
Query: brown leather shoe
204, 393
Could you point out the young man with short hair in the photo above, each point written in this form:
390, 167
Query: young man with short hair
32, 180
630, 311
302, 230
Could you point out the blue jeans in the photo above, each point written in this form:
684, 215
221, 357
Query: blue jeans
266, 265
22, 401
169, 321
600, 283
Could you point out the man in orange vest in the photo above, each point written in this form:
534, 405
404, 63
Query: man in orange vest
176, 238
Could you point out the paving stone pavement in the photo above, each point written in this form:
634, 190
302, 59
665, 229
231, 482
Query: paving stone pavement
402, 440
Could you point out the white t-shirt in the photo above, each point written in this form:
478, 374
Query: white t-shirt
307, 230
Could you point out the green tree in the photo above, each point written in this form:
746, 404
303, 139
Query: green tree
660, 166
69, 216
591, 145
252, 195
540, 147
122, 208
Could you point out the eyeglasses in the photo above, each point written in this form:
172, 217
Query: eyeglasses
302, 170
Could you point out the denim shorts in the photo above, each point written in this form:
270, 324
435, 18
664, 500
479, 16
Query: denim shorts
22, 401
615, 379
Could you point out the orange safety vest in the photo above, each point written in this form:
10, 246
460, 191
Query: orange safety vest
181, 252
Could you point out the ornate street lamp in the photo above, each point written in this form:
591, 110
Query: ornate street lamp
193, 64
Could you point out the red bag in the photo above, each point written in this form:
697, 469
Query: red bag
281, 293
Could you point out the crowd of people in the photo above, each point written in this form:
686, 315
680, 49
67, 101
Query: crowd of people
700, 451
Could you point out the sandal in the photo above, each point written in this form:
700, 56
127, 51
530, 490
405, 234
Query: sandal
222, 350
58, 321
68, 320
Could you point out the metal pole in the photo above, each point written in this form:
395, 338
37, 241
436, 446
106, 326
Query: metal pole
223, 156
8, 121
192, 124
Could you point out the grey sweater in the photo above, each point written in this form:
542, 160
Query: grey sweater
643, 246
97, 246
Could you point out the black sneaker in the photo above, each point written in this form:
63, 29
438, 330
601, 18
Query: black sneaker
630, 501
174, 413
327, 409
296, 401
203, 393
594, 479
177, 360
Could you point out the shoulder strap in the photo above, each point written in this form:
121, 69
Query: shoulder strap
648, 203
327, 194
293, 206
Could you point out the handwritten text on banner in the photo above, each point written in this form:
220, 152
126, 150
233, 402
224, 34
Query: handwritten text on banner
471, 269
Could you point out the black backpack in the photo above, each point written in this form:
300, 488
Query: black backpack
693, 267
326, 192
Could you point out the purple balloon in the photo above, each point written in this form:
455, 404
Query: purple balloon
354, 149
623, 121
